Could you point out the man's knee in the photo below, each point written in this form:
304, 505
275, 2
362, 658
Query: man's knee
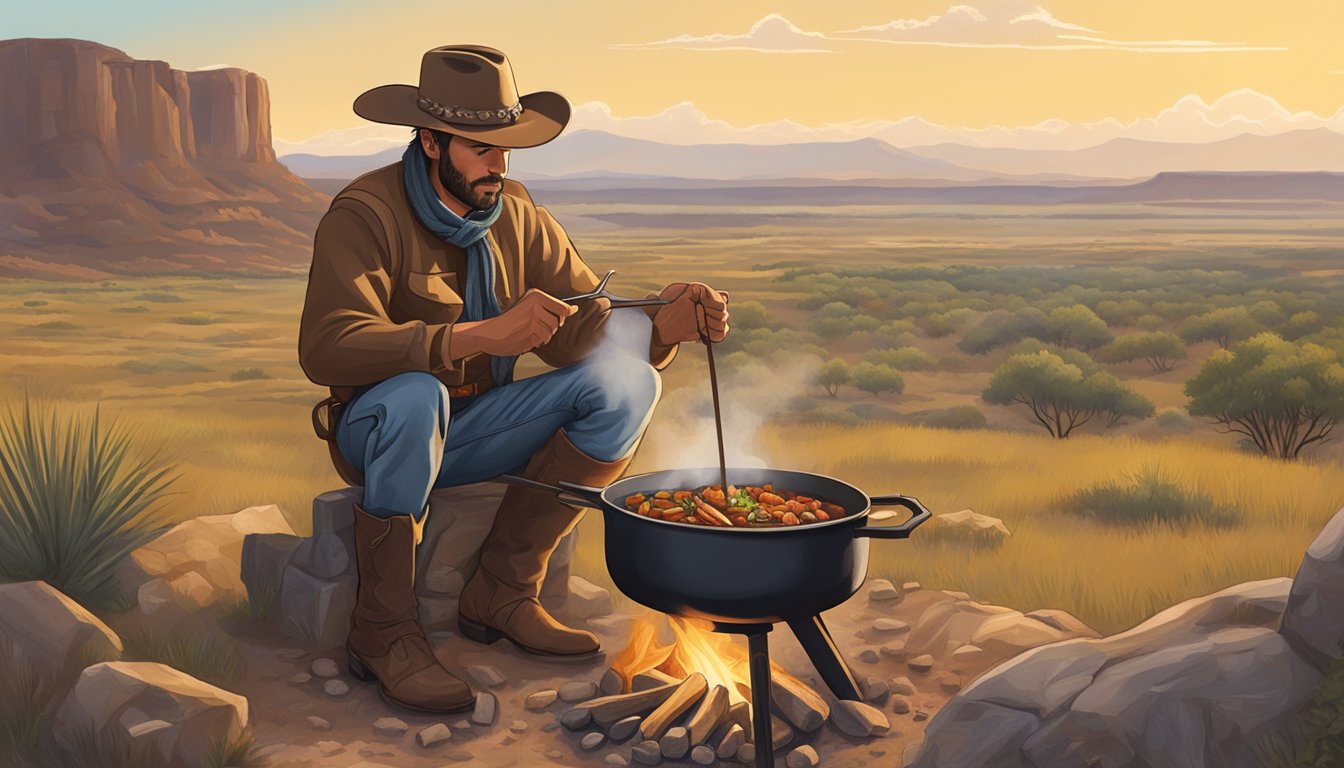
416, 399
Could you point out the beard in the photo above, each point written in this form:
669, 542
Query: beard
466, 190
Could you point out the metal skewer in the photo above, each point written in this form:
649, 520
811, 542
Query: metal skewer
714, 389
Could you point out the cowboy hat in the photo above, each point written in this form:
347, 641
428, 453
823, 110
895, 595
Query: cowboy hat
468, 90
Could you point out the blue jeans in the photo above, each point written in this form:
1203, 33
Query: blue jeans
408, 438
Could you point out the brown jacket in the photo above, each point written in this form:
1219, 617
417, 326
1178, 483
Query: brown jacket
384, 291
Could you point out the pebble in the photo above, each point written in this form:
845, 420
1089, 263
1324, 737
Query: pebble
554, 754
624, 729
703, 755
616, 761
593, 740
550, 727
434, 735
911, 586
874, 689
868, 656
921, 663
535, 702
900, 705
487, 709
300, 678
290, 654
325, 668
319, 723
581, 690
460, 757
883, 591
949, 682
647, 753
485, 676
390, 726
462, 725
958, 595
507, 741
902, 686
576, 719
611, 683
803, 757
967, 653
894, 651
329, 748
893, 626
675, 743
336, 688
518, 726
854, 718
921, 715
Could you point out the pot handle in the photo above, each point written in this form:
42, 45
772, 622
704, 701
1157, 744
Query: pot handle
901, 531
572, 494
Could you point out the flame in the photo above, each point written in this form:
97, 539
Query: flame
696, 648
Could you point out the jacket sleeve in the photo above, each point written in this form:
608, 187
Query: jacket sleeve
346, 337
554, 266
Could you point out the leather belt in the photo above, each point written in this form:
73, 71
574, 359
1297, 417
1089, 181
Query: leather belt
465, 390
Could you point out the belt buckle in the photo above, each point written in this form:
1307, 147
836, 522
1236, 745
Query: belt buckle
463, 390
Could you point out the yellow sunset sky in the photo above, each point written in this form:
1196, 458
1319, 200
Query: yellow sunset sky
971, 63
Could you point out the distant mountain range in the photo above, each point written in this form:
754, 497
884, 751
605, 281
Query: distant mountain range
598, 154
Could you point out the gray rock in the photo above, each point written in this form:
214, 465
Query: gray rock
300, 678
576, 719
900, 705
315, 610
580, 690
611, 683
487, 709
336, 688
334, 513
325, 668
857, 719
390, 726
318, 723
883, 591
873, 689
910, 586
43, 631
518, 726
325, 556
971, 733
948, 682
593, 740
893, 651
803, 757
264, 559
868, 656
1312, 621
535, 702
434, 735
616, 761
462, 725
485, 676
624, 729
647, 752
675, 743
329, 748
703, 755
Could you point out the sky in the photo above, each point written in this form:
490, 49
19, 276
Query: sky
976, 66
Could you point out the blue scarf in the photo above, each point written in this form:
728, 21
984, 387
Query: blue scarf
469, 234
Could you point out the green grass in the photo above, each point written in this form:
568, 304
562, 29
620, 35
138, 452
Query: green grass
1150, 496
201, 653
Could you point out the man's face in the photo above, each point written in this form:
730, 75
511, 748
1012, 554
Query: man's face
473, 172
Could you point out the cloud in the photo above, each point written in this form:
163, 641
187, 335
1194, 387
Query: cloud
772, 34
362, 140
1020, 24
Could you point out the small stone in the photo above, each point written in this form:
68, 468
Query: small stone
675, 743
376, 750
891, 626
703, 755
854, 718
921, 715
900, 705
874, 689
949, 682
460, 757
611, 683
462, 725
957, 595
803, 757
433, 736
485, 676
616, 761
290, 654
507, 741
550, 727
747, 753
735, 738
591, 741
554, 754
910, 586
300, 678
581, 690
624, 729
883, 591
877, 752
967, 653
390, 726
540, 700
868, 656
487, 709
518, 726
576, 719
319, 723
902, 686
329, 748
325, 668
922, 663
336, 688
647, 753
894, 651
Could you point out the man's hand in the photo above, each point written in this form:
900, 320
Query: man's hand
693, 310
526, 325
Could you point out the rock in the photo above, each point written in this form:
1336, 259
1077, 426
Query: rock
703, 755
873, 689
587, 600
1063, 621
580, 690
616, 761
624, 729
335, 688
857, 719
121, 701
948, 682
969, 654
192, 590
921, 715
485, 676
1009, 634
154, 596
487, 709
900, 705
576, 719
325, 555
392, 727
300, 678
535, 702
43, 631
319, 723
890, 626
803, 757
315, 610
971, 527
675, 743
263, 561
1312, 622
922, 663
507, 740
893, 651
949, 624
433, 736
647, 752
593, 740
882, 591
462, 725
868, 656
910, 586
611, 683
555, 587
518, 726
902, 686
325, 668
732, 740
650, 679
329, 748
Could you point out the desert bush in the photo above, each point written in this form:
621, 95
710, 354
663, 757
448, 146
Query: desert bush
248, 374
1001, 328
747, 315
160, 296
165, 365
74, 501
956, 417
1174, 419
1077, 326
35, 303
1160, 350
877, 379
137, 309
57, 326
1322, 745
1150, 495
1063, 388
1225, 326
902, 359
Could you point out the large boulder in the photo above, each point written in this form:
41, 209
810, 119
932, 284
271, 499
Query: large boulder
136, 703
1313, 622
47, 633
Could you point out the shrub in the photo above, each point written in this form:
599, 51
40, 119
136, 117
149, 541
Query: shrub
956, 417
249, 374
902, 359
167, 365
73, 502
832, 375
1150, 496
160, 296
1323, 722
876, 379
196, 318
35, 303
1174, 419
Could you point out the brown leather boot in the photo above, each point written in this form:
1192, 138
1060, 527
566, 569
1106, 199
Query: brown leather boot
501, 599
386, 641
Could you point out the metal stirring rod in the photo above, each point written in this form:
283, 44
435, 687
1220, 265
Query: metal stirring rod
714, 389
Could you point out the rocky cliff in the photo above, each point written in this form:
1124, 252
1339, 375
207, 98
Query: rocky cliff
110, 164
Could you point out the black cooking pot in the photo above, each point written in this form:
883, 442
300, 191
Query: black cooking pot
740, 575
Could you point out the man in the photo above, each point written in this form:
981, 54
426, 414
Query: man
429, 277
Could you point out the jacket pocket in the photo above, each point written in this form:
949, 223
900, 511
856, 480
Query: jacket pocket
434, 297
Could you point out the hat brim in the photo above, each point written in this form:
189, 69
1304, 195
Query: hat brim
545, 114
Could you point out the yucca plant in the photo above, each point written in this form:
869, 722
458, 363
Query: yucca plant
74, 501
